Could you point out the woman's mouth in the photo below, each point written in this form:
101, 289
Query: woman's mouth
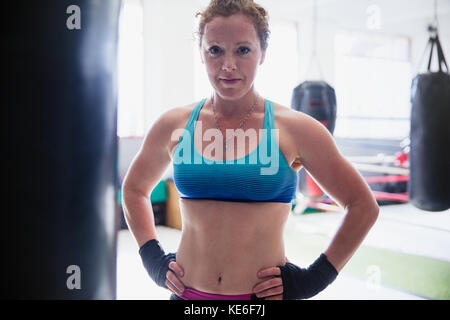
229, 81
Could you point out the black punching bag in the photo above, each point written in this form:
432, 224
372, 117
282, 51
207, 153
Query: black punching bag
60, 214
429, 185
318, 100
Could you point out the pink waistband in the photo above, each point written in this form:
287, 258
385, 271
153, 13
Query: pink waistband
192, 294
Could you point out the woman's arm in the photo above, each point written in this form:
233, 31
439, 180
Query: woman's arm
317, 151
342, 183
145, 172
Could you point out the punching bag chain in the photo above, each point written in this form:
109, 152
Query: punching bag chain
314, 55
435, 21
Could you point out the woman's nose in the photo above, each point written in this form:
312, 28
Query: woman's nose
229, 63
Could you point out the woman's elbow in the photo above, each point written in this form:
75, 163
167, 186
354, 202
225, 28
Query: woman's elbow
375, 212
372, 212
366, 211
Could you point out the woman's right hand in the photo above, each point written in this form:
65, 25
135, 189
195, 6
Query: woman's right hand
173, 276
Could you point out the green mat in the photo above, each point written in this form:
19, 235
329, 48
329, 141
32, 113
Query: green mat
422, 276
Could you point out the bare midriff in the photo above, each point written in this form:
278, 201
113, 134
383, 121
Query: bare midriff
225, 244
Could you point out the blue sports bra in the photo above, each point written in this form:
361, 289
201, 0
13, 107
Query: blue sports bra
261, 175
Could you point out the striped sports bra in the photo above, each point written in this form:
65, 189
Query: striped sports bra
263, 175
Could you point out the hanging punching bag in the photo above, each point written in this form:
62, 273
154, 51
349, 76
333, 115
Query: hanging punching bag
58, 229
429, 184
318, 100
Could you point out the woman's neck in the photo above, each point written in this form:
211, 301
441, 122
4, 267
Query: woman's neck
235, 109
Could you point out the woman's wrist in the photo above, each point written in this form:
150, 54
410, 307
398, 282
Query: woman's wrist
304, 283
155, 261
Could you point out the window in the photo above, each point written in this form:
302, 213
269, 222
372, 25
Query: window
277, 76
130, 71
372, 83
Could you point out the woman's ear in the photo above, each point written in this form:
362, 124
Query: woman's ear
263, 56
201, 55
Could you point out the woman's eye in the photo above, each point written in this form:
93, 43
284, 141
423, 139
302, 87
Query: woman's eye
214, 50
243, 50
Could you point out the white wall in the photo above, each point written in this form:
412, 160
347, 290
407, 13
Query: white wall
407, 18
168, 55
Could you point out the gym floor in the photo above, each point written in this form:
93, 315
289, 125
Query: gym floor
404, 257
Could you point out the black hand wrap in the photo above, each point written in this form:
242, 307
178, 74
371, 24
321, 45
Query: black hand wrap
155, 261
300, 283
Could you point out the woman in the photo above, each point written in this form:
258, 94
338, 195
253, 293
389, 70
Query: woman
235, 193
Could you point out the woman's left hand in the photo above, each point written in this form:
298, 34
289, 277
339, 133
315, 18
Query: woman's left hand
272, 287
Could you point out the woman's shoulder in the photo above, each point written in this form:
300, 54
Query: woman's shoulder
175, 117
304, 132
169, 121
165, 128
297, 123
287, 116
179, 112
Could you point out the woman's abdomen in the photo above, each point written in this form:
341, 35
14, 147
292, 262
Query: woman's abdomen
231, 271
222, 252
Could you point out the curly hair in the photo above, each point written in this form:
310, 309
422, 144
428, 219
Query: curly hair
226, 8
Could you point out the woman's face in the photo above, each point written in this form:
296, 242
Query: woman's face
231, 52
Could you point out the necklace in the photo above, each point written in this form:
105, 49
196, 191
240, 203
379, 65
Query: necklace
240, 124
